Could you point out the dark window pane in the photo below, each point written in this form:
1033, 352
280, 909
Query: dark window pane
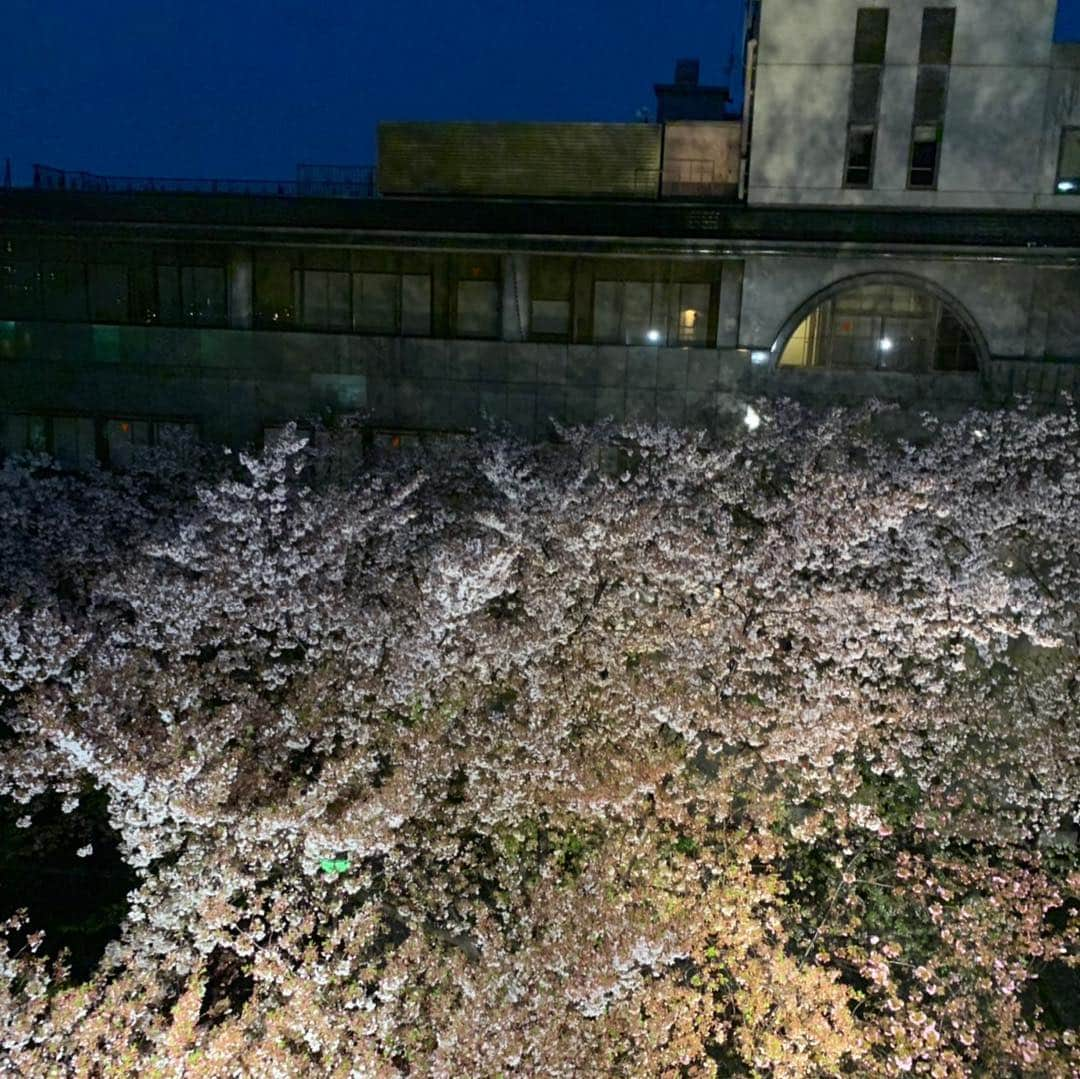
375, 302
860, 157
416, 304
871, 30
637, 312
273, 291
937, 35
64, 290
168, 282
930, 95
865, 93
203, 292
607, 311
924, 158
1068, 176
551, 317
18, 289
108, 293
477, 309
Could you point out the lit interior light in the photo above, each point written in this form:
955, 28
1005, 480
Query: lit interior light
759, 356
1068, 185
751, 419
886, 344
653, 336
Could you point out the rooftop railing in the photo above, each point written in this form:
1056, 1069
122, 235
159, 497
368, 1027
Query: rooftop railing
312, 181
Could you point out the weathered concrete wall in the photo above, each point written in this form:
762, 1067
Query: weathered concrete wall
994, 133
234, 384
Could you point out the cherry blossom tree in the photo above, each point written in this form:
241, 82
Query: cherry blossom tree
642, 752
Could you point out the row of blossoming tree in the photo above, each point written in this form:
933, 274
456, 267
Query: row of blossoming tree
756, 754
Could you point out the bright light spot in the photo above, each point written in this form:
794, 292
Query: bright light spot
653, 336
885, 344
759, 356
979, 435
1068, 185
751, 419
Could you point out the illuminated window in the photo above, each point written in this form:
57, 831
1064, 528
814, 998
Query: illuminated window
882, 327
693, 314
1068, 173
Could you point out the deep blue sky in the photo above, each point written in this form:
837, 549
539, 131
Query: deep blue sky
247, 88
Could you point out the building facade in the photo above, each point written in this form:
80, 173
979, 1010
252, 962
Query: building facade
521, 274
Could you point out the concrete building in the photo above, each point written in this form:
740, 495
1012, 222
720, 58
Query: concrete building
524, 273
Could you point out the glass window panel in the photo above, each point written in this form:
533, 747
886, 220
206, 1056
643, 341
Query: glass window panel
885, 327
860, 157
1068, 177
638, 315
338, 311
64, 291
607, 311
37, 434
693, 314
73, 441
108, 293
551, 317
314, 298
871, 31
273, 299
416, 304
478, 309
938, 26
18, 289
865, 94
168, 284
203, 293
930, 91
924, 157
375, 298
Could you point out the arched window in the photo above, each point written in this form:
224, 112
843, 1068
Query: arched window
882, 326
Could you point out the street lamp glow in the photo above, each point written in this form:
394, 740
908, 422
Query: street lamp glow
1065, 186
886, 344
654, 336
751, 419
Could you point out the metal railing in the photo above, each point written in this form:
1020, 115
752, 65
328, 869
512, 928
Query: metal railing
326, 181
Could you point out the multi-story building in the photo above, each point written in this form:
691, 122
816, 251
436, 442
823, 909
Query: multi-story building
894, 213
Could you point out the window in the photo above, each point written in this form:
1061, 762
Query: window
924, 157
930, 90
931, 93
882, 327
18, 289
323, 299
550, 318
938, 26
121, 438
192, 295
630, 312
871, 33
551, 283
375, 302
273, 299
693, 314
477, 309
860, 156
416, 305
108, 293
1068, 173
63, 287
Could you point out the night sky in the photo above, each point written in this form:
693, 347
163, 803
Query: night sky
246, 89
